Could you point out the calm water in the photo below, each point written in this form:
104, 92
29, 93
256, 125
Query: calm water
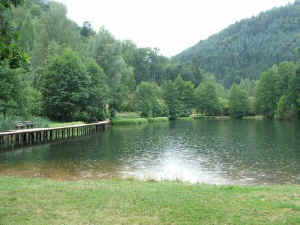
214, 152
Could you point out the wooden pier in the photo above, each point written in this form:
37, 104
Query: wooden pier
17, 138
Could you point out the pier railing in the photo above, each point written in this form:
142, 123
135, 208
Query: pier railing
25, 137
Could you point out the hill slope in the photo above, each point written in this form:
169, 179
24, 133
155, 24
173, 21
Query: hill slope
247, 48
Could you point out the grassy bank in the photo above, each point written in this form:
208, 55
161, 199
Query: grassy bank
133, 118
158, 119
138, 121
128, 121
39, 201
64, 124
202, 117
197, 116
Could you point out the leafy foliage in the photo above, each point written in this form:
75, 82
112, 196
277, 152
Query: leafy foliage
277, 91
65, 88
238, 102
207, 101
12, 86
149, 100
8, 35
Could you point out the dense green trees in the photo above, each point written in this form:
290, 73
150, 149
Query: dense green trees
249, 47
267, 93
12, 87
12, 77
79, 74
8, 35
149, 100
65, 87
73, 90
277, 91
185, 96
206, 99
98, 92
56, 32
238, 102
171, 94
293, 96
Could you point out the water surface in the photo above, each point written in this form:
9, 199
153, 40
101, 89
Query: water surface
214, 152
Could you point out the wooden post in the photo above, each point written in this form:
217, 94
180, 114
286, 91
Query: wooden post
34, 137
41, 138
17, 139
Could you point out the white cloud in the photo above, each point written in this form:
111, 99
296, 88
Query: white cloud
170, 25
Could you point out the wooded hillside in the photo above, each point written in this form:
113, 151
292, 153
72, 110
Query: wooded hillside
249, 47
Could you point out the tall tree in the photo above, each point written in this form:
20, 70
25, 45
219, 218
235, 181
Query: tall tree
27, 34
294, 91
54, 27
12, 86
267, 93
65, 88
8, 35
149, 100
87, 30
185, 90
286, 71
108, 55
12, 58
238, 102
206, 100
171, 96
98, 90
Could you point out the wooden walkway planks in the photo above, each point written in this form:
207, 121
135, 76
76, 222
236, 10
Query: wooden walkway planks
54, 128
43, 135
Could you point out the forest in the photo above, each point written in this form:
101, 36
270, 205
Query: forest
51, 67
251, 46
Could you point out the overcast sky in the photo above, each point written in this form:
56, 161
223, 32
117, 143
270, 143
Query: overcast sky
170, 25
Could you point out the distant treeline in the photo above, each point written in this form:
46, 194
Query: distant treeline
51, 67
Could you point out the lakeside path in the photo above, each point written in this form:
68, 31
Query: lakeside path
110, 202
41, 135
33, 130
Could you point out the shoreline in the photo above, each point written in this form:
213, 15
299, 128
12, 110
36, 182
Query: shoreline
141, 121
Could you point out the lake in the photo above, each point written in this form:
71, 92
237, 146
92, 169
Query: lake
246, 152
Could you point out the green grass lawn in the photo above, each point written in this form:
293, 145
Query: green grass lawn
110, 202
128, 115
134, 118
64, 124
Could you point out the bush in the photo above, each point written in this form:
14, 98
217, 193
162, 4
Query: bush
129, 121
160, 109
9, 122
158, 119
